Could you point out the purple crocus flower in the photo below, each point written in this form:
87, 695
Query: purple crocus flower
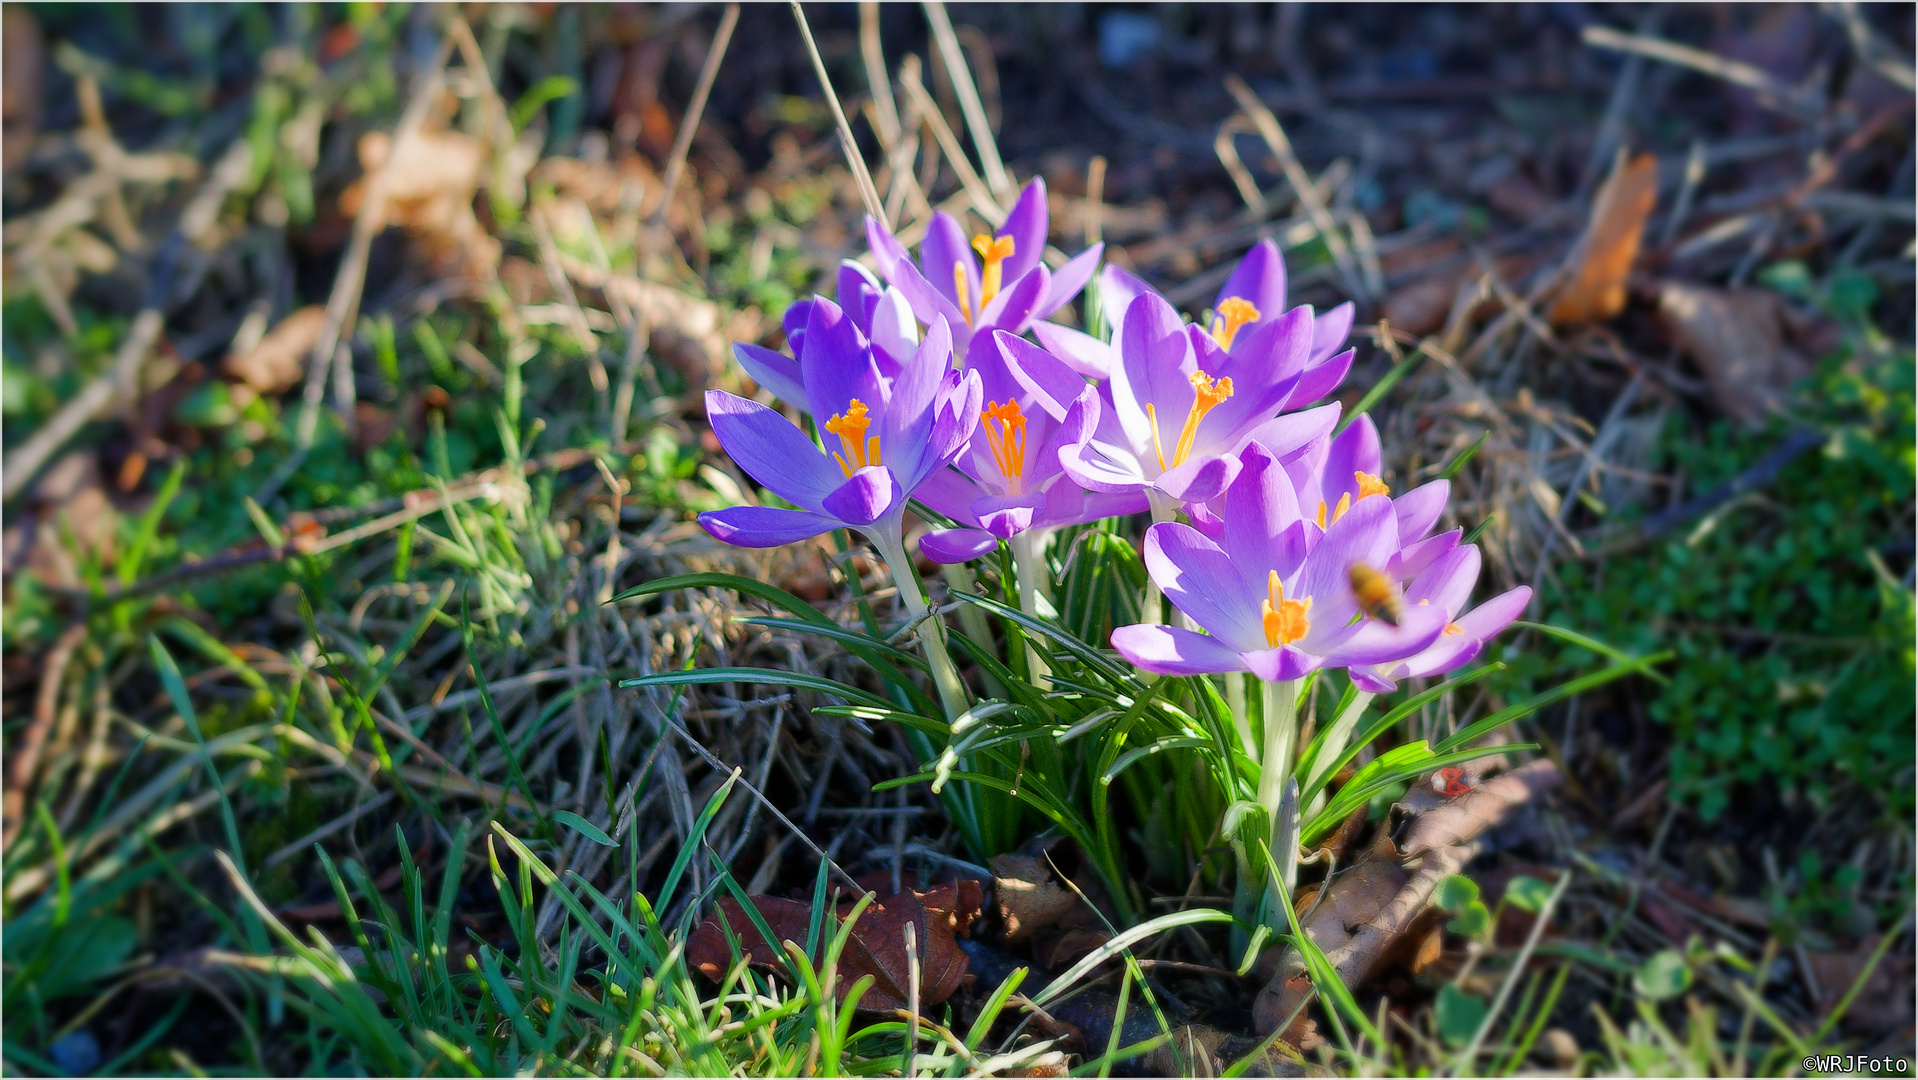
1178, 407
1010, 480
880, 316
1446, 585
1005, 288
892, 434
1252, 298
1331, 476
1270, 604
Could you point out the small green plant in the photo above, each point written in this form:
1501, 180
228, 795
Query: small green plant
1794, 667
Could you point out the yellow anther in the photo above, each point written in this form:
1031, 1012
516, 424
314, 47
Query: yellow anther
1370, 485
1008, 443
1284, 620
1345, 503
860, 450
1206, 394
961, 290
993, 252
1454, 630
1233, 313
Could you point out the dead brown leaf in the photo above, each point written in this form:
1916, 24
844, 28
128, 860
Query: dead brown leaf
1029, 898
1369, 911
1604, 255
430, 193
278, 362
1737, 338
877, 946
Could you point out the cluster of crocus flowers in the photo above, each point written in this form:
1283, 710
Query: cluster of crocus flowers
1280, 543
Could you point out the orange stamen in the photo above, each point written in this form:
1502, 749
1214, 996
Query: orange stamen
1454, 630
994, 252
860, 450
1284, 620
1233, 312
1207, 394
1370, 485
1009, 442
960, 287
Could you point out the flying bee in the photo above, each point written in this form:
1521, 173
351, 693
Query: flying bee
1376, 594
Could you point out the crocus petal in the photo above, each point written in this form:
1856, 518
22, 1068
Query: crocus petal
1330, 330
794, 323
1283, 664
1207, 522
1285, 435
1026, 224
943, 248
955, 421
858, 293
949, 492
950, 546
1412, 560
1158, 361
1005, 515
1261, 524
771, 450
765, 526
1199, 579
894, 329
1117, 290
1012, 309
865, 496
1419, 509
1199, 479
1371, 679
1069, 279
774, 371
1366, 534
926, 300
1172, 650
1491, 618
1097, 467
1053, 384
1447, 583
908, 419
1354, 450
1083, 353
1260, 278
1371, 641
1316, 382
836, 364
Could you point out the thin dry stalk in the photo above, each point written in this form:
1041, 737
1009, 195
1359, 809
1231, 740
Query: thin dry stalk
1308, 193
45, 707
975, 188
969, 103
867, 193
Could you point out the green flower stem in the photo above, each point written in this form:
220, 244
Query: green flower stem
1336, 737
1275, 767
1164, 508
1235, 700
960, 581
931, 630
1030, 563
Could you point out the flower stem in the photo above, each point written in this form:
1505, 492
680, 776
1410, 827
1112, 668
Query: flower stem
932, 631
1030, 564
960, 582
1275, 768
1235, 700
1164, 508
1336, 737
